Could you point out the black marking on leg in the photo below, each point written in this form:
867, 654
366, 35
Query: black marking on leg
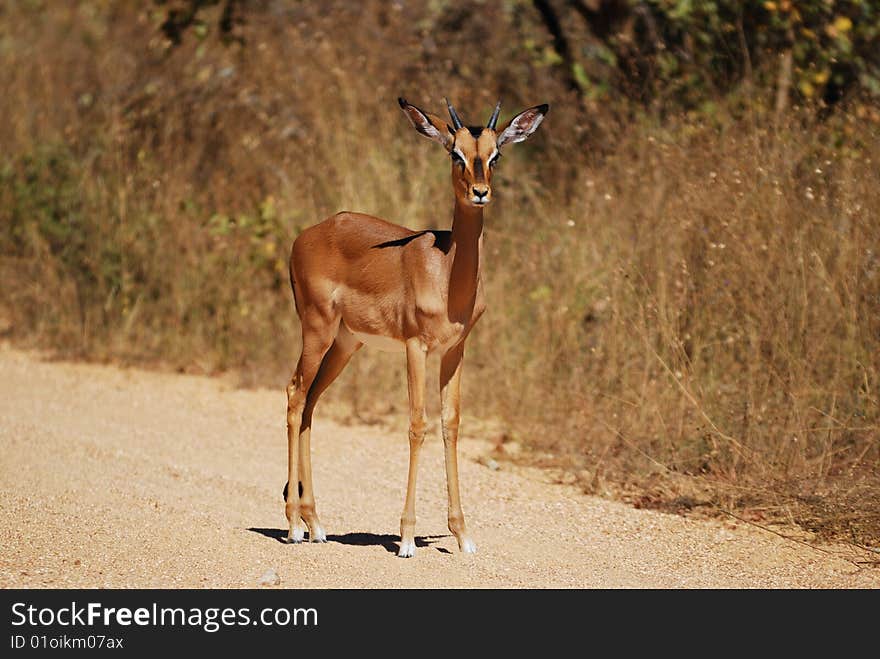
286, 485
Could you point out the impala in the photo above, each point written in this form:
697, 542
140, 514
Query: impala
358, 280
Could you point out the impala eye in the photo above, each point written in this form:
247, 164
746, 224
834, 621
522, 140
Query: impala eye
494, 160
456, 158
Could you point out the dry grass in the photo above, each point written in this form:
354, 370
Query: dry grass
687, 317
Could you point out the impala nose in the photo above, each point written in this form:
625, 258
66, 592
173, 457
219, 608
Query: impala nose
480, 192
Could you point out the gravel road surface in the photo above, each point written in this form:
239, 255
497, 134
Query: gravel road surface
127, 478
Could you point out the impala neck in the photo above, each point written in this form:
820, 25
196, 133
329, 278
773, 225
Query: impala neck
467, 231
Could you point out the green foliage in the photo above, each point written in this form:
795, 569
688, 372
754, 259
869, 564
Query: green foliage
665, 53
46, 212
670, 54
703, 45
104, 271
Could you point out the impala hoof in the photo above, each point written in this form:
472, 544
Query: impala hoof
295, 536
407, 549
318, 535
468, 546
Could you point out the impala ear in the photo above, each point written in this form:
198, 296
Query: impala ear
429, 125
522, 125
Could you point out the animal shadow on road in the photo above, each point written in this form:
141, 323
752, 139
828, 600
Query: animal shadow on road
391, 543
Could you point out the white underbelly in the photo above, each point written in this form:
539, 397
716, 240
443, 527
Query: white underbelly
383, 343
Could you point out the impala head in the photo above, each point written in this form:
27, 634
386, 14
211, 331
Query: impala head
474, 150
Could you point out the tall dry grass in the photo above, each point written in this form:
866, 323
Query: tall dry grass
684, 313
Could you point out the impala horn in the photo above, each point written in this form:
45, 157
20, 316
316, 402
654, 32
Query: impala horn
456, 120
493, 121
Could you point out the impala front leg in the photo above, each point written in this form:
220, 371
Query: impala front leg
450, 404
415, 376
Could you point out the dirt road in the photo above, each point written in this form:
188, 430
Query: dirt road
126, 478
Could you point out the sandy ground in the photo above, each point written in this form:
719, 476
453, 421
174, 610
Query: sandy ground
126, 478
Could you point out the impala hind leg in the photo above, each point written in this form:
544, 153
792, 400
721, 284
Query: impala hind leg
450, 405
415, 376
334, 361
317, 339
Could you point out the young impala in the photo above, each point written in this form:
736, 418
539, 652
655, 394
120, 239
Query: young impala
360, 280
